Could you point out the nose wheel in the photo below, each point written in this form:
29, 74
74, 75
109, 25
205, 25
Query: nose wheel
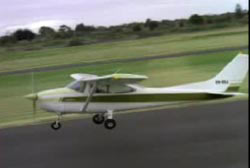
56, 125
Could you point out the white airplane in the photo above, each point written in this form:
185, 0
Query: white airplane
104, 95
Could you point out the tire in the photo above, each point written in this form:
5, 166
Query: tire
56, 125
98, 119
110, 124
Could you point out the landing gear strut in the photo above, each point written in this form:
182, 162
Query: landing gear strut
57, 125
109, 122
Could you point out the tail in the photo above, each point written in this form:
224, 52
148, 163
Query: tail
228, 80
231, 77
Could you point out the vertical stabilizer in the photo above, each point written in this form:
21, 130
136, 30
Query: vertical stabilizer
228, 80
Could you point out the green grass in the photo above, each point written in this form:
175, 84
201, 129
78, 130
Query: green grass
164, 72
162, 45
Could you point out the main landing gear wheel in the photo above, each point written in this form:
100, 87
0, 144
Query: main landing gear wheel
56, 125
98, 119
110, 124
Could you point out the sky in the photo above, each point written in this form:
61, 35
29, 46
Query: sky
33, 14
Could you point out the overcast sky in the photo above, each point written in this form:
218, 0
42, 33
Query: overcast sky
35, 13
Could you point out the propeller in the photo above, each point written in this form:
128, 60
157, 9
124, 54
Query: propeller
33, 97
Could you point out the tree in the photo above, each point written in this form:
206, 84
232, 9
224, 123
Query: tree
147, 22
24, 35
137, 28
64, 29
47, 32
80, 28
90, 28
239, 11
196, 19
64, 32
153, 25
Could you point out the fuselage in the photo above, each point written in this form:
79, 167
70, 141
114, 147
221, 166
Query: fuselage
67, 100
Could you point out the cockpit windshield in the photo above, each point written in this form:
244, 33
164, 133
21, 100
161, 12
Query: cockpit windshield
77, 86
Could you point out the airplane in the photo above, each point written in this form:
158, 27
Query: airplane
104, 95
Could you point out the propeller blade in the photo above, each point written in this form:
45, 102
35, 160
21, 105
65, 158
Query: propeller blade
34, 100
34, 108
33, 97
32, 82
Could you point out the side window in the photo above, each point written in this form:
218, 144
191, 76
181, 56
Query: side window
114, 89
120, 89
82, 87
102, 89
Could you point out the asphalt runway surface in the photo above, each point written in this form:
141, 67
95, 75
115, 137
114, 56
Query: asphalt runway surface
207, 136
68, 66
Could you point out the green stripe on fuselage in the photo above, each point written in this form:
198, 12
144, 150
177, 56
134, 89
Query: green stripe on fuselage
141, 98
233, 89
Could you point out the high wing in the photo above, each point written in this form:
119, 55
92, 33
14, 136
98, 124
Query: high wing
110, 79
81, 76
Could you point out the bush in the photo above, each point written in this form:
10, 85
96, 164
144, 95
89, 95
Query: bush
223, 19
245, 20
181, 24
5, 40
74, 42
137, 28
54, 43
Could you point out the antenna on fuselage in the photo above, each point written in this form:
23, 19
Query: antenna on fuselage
118, 70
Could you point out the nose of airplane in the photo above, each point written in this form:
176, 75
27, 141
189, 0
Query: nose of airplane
32, 96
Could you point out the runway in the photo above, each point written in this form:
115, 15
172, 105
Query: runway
207, 136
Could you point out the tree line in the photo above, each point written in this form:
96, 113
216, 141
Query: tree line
66, 32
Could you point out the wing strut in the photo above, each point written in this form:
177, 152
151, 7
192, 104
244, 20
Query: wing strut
91, 93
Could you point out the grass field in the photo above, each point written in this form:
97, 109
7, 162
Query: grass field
163, 45
14, 109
